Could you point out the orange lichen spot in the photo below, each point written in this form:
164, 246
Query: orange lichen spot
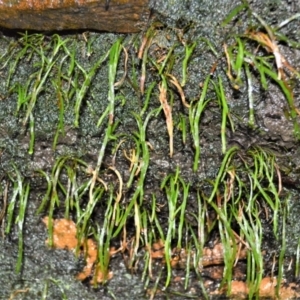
158, 250
90, 251
101, 276
180, 256
268, 286
64, 233
267, 290
239, 290
214, 272
64, 237
178, 279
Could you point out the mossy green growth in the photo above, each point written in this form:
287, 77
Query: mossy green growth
173, 205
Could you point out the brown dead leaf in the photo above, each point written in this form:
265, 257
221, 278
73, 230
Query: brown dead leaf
179, 89
168, 114
270, 45
15, 293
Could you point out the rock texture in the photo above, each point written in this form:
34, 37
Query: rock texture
54, 15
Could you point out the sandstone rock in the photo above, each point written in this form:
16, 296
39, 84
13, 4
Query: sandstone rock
54, 15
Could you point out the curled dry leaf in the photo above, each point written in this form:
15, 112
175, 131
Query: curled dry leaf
179, 89
168, 114
270, 45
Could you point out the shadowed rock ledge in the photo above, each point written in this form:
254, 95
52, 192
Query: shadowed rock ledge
53, 15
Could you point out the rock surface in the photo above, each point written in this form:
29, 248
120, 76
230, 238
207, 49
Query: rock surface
53, 15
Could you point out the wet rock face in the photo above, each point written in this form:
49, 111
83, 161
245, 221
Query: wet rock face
52, 15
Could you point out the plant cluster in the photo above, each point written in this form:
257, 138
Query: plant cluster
247, 186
